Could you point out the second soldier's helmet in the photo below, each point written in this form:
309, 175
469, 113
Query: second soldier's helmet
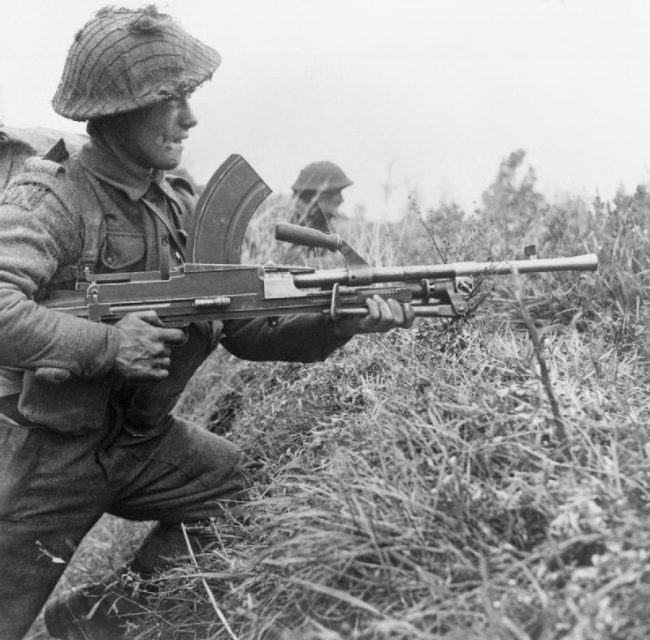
321, 176
124, 59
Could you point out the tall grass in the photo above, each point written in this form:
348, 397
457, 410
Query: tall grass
416, 484
429, 500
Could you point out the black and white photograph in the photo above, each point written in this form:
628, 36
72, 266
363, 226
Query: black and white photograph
324, 320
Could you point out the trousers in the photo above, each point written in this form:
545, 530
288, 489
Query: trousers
54, 487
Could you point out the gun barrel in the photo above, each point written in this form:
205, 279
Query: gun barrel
329, 277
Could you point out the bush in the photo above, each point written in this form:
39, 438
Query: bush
464, 480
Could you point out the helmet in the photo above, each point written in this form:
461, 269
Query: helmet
124, 59
321, 176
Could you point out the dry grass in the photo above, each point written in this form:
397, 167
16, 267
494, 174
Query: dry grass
417, 484
417, 490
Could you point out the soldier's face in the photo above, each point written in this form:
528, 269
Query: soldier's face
153, 136
330, 201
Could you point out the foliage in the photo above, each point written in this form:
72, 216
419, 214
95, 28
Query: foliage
417, 488
512, 207
416, 484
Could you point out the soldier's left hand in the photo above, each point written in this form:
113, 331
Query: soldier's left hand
383, 315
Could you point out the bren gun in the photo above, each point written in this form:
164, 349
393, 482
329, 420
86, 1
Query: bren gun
212, 285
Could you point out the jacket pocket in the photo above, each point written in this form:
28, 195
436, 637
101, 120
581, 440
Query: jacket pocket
74, 406
19, 457
123, 250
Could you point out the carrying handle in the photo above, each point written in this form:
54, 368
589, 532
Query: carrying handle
307, 237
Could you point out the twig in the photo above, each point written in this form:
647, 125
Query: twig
211, 597
427, 228
544, 374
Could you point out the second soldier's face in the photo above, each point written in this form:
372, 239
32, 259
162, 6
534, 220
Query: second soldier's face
330, 201
153, 136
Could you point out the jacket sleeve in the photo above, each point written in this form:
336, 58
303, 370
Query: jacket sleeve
38, 235
298, 338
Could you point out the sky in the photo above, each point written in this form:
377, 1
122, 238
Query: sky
426, 95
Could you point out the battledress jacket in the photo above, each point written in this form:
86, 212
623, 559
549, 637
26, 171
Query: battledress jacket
56, 218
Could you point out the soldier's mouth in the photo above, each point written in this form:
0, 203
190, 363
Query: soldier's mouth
166, 141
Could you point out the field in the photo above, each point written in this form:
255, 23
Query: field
464, 480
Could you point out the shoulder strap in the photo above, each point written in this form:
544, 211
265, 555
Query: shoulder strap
92, 215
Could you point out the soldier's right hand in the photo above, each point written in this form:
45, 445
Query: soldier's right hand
144, 349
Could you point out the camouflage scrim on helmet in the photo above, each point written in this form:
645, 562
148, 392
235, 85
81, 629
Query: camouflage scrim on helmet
124, 59
321, 176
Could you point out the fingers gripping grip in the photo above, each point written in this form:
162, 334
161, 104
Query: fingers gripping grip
307, 237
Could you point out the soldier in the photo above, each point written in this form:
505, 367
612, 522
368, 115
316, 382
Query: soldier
86, 421
317, 195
